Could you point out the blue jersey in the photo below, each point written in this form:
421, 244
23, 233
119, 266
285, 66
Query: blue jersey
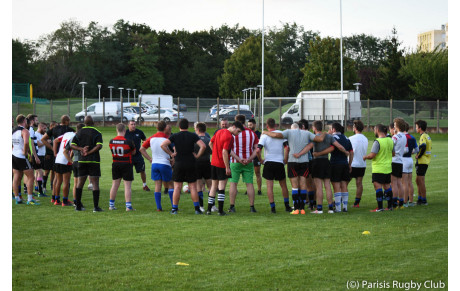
337, 157
411, 145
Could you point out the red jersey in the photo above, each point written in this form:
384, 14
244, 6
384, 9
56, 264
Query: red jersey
243, 144
223, 139
122, 149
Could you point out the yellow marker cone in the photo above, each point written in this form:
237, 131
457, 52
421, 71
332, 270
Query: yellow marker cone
366, 232
182, 264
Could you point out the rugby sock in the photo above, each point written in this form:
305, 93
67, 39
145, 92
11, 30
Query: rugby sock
395, 201
158, 200
379, 197
311, 197
111, 203
29, 197
295, 197
57, 198
319, 207
345, 200
65, 200
303, 198
144, 184
389, 194
78, 194
197, 205
17, 198
401, 201
170, 193
272, 204
286, 202
128, 205
200, 197
423, 199
40, 185
221, 199
338, 201
211, 202
45, 179
357, 200
96, 198
331, 206
175, 207
232, 206
25, 189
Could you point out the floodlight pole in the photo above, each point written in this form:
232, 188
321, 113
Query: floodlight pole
110, 87
341, 66
134, 93
262, 88
82, 95
129, 89
99, 86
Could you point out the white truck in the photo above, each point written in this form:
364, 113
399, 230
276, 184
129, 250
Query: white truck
166, 101
309, 105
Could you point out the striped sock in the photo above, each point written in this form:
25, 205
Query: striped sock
128, 205
175, 207
345, 200
303, 198
338, 201
211, 202
200, 198
158, 200
111, 203
379, 197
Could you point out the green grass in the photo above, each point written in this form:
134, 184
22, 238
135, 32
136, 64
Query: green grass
57, 248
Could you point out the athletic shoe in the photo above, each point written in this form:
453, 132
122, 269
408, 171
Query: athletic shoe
67, 204
411, 204
222, 213
19, 202
336, 211
389, 209
289, 208
44, 190
214, 209
146, 188
406, 204
112, 208
174, 211
317, 212
419, 202
202, 209
330, 211
208, 212
424, 203
355, 205
232, 209
90, 186
42, 195
198, 212
57, 202
295, 212
344, 210
252, 209
302, 211
377, 210
97, 209
246, 193
32, 202
130, 209
80, 209
159, 210
273, 210
259, 192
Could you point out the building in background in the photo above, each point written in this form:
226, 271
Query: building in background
430, 40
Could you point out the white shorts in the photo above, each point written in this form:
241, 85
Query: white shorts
408, 164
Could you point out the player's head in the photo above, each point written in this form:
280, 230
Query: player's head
132, 125
252, 124
406, 126
295, 126
317, 125
380, 129
241, 118
121, 129
200, 127
337, 127
41, 127
420, 126
161, 126
21, 120
236, 128
303, 124
224, 123
270, 123
168, 130
183, 123
33, 119
88, 121
80, 126
65, 119
358, 126
392, 128
398, 123
53, 124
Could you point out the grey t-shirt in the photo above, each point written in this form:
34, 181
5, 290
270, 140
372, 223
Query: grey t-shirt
205, 157
76, 154
297, 140
321, 146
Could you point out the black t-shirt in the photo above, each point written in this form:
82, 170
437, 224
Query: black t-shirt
55, 132
137, 137
184, 142
91, 137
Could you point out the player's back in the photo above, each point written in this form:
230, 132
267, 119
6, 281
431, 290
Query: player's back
121, 149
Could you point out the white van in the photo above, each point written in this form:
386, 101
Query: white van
112, 112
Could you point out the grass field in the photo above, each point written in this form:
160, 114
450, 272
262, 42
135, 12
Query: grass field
57, 248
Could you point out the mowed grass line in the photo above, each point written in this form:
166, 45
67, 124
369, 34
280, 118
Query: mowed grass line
57, 248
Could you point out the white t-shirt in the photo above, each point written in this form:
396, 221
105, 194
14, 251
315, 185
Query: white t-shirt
399, 141
41, 149
18, 143
65, 139
159, 156
359, 143
274, 148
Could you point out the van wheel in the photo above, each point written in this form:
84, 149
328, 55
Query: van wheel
82, 119
110, 118
125, 119
287, 120
167, 119
141, 119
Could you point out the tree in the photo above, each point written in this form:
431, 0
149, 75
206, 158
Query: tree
322, 70
232, 37
243, 70
22, 61
366, 50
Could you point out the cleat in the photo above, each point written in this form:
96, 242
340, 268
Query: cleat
174, 211
42, 195
377, 210
57, 202
97, 209
67, 204
295, 212
344, 210
424, 204
222, 213
289, 209
302, 212
130, 209
146, 188
202, 209
273, 210
259, 192
331, 211
80, 209
159, 210
52, 200
232, 209
336, 211
317, 212
32, 202
198, 212
355, 205
208, 212
214, 209
252, 209
411, 204
112, 208
19, 202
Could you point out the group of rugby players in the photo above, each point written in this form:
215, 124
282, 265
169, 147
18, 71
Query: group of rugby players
233, 151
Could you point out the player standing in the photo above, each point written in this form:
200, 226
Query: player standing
203, 163
408, 164
41, 155
137, 135
400, 141
49, 161
75, 156
63, 168
253, 126
423, 159
122, 167
359, 142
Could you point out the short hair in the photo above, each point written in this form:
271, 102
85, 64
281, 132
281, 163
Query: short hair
224, 119
241, 118
318, 125
400, 123
303, 123
295, 126
392, 125
421, 124
271, 123
407, 126
183, 123
80, 126
20, 118
41, 123
53, 124
31, 116
338, 127
66, 118
201, 127
238, 124
132, 120
88, 120
121, 127
252, 120
359, 125
161, 125
381, 128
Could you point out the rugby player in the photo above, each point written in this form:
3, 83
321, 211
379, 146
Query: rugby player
223, 125
63, 167
41, 155
359, 142
253, 126
410, 149
49, 162
33, 122
75, 156
423, 159
203, 163
137, 136
400, 141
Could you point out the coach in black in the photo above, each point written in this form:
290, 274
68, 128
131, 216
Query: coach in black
89, 142
137, 135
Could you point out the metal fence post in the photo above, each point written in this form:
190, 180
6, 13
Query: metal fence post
281, 113
159, 108
324, 113
198, 109
437, 116
35, 107
217, 113
140, 111
391, 111
103, 111
121, 109
415, 113
68, 106
238, 106
51, 110
368, 114
178, 111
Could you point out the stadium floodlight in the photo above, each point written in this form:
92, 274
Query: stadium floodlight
99, 86
357, 85
121, 92
110, 87
82, 95
128, 89
134, 94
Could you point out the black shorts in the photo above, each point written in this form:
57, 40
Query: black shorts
381, 178
89, 169
274, 171
256, 162
139, 165
203, 170
184, 172
310, 168
340, 173
122, 171
21, 164
357, 172
420, 169
75, 169
39, 166
219, 173
49, 162
321, 168
396, 170
62, 169
298, 170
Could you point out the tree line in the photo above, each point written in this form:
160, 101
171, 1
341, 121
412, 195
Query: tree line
220, 62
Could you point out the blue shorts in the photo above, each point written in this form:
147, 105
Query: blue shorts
161, 172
